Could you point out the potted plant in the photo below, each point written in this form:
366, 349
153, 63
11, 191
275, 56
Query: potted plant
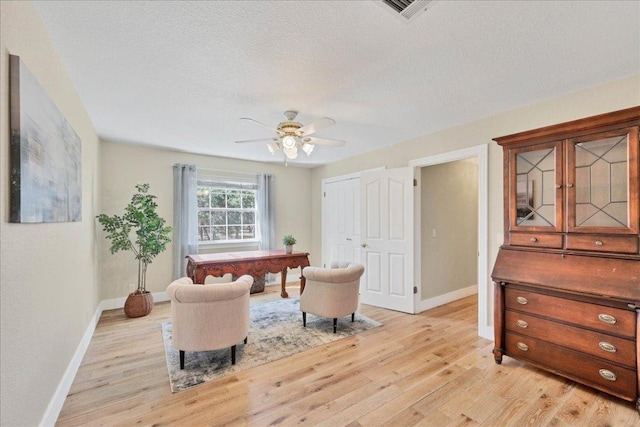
288, 241
141, 231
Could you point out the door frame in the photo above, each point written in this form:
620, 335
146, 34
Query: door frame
481, 152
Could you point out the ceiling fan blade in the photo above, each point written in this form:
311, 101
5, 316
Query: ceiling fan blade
314, 127
324, 141
266, 140
262, 124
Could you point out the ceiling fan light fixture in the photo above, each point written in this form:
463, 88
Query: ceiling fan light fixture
289, 142
291, 152
307, 148
292, 136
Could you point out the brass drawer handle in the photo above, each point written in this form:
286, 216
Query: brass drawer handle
534, 239
607, 318
599, 243
522, 324
522, 346
522, 300
608, 375
607, 347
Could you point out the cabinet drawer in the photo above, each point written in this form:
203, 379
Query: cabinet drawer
608, 347
596, 372
598, 243
542, 240
606, 319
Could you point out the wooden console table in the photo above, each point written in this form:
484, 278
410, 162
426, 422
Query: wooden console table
255, 263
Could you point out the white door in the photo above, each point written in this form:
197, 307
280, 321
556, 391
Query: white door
387, 239
341, 221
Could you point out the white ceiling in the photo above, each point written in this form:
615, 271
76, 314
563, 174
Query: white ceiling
181, 74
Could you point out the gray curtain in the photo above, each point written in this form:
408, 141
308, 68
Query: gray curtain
267, 214
185, 217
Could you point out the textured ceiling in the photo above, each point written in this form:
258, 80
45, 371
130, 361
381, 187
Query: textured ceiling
181, 74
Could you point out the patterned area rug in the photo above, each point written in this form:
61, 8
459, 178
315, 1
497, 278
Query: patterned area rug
275, 332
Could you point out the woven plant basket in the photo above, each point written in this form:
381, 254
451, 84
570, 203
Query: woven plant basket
138, 305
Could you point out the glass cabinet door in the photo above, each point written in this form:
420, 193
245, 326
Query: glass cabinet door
601, 177
536, 195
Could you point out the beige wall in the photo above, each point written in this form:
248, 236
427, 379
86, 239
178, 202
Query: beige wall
124, 165
612, 96
49, 290
449, 205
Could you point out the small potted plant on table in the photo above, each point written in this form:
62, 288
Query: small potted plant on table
141, 231
288, 241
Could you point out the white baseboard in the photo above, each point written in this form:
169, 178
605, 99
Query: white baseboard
486, 332
57, 401
446, 298
113, 304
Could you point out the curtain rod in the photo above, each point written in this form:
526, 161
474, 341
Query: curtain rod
198, 168
223, 171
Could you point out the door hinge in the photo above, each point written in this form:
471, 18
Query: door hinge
324, 194
415, 289
415, 182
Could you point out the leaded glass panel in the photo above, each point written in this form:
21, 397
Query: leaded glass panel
602, 178
535, 188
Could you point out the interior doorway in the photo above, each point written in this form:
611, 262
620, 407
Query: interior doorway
449, 232
479, 155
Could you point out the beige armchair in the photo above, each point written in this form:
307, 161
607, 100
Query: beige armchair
209, 317
331, 292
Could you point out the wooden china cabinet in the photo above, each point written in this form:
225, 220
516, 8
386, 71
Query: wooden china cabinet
567, 279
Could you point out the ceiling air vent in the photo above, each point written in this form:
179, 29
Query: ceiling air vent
408, 10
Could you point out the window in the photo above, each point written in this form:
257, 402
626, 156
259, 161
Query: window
226, 211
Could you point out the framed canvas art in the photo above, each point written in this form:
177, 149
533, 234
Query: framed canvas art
45, 154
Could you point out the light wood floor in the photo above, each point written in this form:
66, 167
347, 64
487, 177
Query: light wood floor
424, 370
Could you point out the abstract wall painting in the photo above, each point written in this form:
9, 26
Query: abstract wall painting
45, 154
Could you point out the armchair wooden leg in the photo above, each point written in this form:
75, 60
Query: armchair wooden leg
304, 319
181, 359
353, 317
233, 354
245, 339
335, 325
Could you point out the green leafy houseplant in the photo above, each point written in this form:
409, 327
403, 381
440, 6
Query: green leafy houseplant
140, 230
288, 240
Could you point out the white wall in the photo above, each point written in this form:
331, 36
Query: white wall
608, 97
124, 165
48, 274
449, 209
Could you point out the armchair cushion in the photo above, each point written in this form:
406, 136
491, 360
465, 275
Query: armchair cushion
206, 293
338, 273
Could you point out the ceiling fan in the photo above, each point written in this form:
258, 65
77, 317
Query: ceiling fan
292, 135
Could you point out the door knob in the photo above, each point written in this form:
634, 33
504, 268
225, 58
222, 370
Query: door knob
364, 245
